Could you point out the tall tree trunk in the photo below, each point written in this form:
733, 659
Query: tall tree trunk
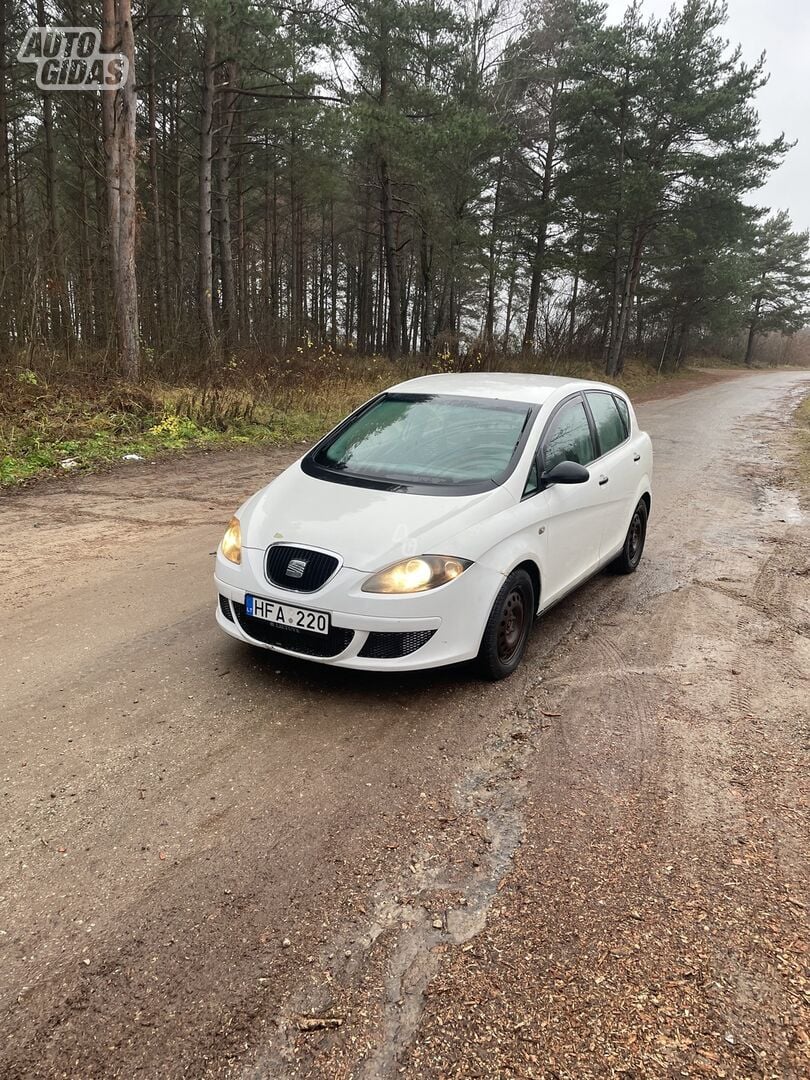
453, 308
109, 40
489, 322
753, 326
615, 359
104, 278
535, 282
127, 158
379, 319
365, 291
416, 321
426, 262
157, 238
394, 341
752, 333
680, 350
333, 275
440, 323
300, 264
60, 316
275, 271
244, 303
572, 321
510, 300
177, 202
670, 328
7, 303
228, 103
297, 292
612, 350
206, 263
321, 271
349, 306
405, 290
541, 235
85, 284
120, 151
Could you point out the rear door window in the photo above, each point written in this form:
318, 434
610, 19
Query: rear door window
624, 412
568, 437
609, 424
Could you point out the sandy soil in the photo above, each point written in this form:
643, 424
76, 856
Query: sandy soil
217, 862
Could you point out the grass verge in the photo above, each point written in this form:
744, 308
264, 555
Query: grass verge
802, 417
58, 424
53, 426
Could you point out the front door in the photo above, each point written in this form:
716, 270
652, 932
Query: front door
571, 512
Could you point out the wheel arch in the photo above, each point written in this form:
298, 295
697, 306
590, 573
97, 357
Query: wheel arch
510, 555
533, 570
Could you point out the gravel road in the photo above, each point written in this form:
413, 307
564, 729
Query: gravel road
220, 862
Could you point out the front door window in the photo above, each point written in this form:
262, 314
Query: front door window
568, 437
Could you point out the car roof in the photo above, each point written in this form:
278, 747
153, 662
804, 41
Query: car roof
506, 386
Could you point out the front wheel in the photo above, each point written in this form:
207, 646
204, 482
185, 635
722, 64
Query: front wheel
630, 555
508, 626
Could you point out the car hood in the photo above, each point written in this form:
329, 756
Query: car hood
368, 528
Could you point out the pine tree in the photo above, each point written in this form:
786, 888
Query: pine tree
780, 292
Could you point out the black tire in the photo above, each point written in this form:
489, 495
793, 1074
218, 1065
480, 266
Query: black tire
630, 557
508, 626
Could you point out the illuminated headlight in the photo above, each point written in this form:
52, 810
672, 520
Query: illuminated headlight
231, 546
416, 575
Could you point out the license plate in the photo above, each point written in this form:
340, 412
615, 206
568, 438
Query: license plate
296, 618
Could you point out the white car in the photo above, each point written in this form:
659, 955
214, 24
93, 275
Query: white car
436, 522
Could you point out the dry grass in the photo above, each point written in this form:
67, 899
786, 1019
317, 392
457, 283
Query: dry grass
802, 417
49, 417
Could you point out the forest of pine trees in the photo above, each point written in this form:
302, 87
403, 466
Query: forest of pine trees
393, 177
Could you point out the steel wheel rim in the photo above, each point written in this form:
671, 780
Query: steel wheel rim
512, 625
635, 538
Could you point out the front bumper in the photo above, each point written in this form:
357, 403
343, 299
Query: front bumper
443, 626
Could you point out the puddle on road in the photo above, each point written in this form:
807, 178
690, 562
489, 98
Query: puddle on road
778, 504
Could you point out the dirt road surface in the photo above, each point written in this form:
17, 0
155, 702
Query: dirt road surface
222, 863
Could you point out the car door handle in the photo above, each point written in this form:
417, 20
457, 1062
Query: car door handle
636, 457
603, 480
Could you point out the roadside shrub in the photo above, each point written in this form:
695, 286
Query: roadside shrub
174, 428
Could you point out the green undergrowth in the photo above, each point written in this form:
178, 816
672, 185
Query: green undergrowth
70, 430
29, 453
58, 425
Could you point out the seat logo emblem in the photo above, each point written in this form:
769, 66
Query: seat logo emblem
296, 568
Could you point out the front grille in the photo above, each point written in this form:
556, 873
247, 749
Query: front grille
286, 637
385, 646
225, 607
310, 569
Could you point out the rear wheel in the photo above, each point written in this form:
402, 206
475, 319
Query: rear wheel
508, 626
630, 555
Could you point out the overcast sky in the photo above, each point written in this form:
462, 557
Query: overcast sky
782, 29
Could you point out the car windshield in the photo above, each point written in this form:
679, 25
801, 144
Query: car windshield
426, 439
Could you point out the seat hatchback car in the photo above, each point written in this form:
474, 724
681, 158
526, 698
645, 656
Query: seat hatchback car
437, 521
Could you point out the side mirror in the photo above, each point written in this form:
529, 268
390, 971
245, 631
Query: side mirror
566, 472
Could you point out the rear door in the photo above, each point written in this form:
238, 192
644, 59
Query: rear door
569, 512
614, 467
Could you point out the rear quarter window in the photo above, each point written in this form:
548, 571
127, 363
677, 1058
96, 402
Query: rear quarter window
624, 412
